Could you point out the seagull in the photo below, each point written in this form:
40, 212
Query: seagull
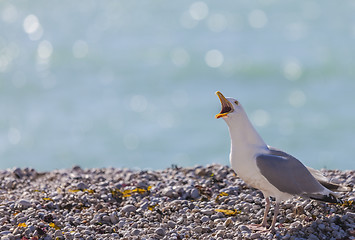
274, 172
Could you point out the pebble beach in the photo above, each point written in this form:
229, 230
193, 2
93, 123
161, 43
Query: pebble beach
202, 202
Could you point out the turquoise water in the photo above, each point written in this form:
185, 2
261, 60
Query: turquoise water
131, 83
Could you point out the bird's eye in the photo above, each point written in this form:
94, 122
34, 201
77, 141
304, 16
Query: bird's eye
236, 102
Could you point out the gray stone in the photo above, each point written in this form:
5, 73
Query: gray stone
195, 193
168, 192
312, 237
77, 235
208, 212
255, 235
10, 184
129, 208
308, 207
136, 232
321, 226
18, 173
24, 203
228, 222
206, 229
220, 226
171, 224
145, 205
205, 219
220, 233
58, 233
160, 231
121, 223
5, 233
296, 225
244, 228
81, 186
350, 215
106, 218
198, 229
114, 218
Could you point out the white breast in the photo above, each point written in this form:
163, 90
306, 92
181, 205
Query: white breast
244, 164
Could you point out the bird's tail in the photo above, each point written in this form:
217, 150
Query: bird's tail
326, 183
330, 197
334, 187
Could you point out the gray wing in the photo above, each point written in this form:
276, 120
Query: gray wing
287, 174
315, 173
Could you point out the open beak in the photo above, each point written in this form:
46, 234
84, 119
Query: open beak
227, 107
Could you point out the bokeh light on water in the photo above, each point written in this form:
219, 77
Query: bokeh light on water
130, 84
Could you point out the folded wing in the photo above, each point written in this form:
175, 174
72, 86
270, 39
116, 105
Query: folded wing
288, 175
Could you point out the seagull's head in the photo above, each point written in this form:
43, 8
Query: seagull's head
230, 107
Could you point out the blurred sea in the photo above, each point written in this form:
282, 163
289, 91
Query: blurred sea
131, 83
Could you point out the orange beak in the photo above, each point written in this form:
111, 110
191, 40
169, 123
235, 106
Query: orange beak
227, 107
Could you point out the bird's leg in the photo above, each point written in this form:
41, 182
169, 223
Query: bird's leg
262, 225
276, 212
267, 208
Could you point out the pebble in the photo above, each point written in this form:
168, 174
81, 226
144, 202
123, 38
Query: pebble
244, 228
136, 232
168, 192
313, 237
228, 222
121, 223
255, 235
198, 229
205, 219
195, 193
220, 233
208, 212
129, 208
296, 224
321, 226
173, 203
160, 231
350, 215
18, 173
220, 226
81, 186
171, 224
58, 233
24, 203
